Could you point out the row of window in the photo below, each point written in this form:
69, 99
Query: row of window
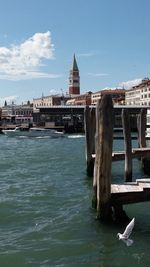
23, 112
138, 103
43, 104
137, 92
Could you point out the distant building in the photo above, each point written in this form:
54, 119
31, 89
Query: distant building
139, 94
49, 101
118, 96
82, 100
74, 79
17, 113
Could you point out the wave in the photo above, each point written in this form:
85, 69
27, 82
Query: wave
76, 136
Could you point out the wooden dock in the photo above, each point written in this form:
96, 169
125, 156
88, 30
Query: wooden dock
133, 192
109, 198
136, 153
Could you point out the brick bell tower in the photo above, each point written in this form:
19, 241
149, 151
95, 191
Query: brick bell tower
74, 79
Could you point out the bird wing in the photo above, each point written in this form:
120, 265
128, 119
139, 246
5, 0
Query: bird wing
128, 229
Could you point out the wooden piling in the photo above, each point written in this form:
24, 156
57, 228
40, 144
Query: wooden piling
104, 140
96, 166
141, 126
89, 126
127, 145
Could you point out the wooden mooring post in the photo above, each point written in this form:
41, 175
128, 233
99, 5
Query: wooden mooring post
89, 126
127, 145
103, 161
141, 127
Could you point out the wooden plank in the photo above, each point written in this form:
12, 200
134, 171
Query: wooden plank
115, 188
144, 180
133, 192
142, 149
125, 188
136, 153
144, 185
130, 197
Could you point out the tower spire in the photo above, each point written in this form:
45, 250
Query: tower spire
74, 65
74, 78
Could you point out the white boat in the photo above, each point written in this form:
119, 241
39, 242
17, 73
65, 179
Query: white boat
44, 132
32, 132
13, 132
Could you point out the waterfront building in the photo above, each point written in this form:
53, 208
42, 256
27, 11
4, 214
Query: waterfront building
118, 96
17, 113
49, 101
80, 100
74, 79
139, 94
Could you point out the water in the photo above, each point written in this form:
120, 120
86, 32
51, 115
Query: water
46, 217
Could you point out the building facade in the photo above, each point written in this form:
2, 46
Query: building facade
17, 113
139, 95
49, 101
81, 100
118, 96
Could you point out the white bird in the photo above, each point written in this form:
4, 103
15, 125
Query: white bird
125, 236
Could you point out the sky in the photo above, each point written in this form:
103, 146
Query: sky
38, 38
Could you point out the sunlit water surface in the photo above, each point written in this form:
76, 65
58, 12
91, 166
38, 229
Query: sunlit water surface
46, 217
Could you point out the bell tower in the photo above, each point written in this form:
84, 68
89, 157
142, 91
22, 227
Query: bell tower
74, 79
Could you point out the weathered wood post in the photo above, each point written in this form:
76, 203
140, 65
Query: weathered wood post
89, 126
104, 141
127, 145
141, 126
96, 166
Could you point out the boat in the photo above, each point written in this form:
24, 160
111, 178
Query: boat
32, 132
14, 132
44, 132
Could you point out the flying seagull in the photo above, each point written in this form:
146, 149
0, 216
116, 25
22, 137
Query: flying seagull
125, 236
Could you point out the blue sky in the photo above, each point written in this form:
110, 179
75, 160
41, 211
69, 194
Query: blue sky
110, 38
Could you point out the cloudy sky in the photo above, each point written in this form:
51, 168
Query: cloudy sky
110, 38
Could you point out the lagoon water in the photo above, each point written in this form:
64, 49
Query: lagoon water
46, 219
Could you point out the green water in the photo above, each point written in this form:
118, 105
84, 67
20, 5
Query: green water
46, 217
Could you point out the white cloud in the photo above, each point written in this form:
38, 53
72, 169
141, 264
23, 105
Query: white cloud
98, 74
8, 99
131, 83
109, 88
24, 61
